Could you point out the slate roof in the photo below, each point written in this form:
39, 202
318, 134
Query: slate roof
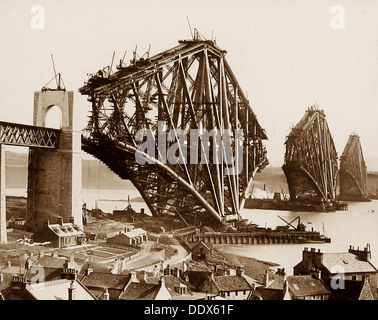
140, 291
307, 285
106, 280
231, 283
348, 261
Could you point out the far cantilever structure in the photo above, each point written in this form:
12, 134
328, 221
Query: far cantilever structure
353, 171
311, 160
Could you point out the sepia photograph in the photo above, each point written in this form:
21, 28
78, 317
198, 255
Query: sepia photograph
189, 154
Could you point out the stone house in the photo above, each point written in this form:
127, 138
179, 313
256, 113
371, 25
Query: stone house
105, 285
230, 287
134, 237
60, 235
62, 289
273, 287
306, 287
142, 290
344, 270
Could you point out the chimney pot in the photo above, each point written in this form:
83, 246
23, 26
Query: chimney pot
59, 221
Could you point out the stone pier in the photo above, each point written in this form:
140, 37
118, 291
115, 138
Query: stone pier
54, 176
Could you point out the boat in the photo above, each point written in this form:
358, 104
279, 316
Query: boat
322, 239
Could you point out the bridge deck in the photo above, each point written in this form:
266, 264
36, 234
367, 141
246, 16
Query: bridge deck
28, 136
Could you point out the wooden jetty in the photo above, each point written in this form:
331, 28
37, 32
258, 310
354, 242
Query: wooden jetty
268, 237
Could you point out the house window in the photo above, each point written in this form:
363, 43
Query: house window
236, 293
228, 294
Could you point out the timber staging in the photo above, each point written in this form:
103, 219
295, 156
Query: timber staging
260, 237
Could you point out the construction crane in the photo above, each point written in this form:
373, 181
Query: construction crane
299, 227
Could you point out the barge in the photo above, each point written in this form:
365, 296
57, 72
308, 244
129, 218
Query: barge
288, 205
287, 234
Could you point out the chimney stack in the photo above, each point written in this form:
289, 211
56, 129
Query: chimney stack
266, 278
167, 270
71, 291
106, 294
133, 277
162, 281
143, 276
89, 269
240, 271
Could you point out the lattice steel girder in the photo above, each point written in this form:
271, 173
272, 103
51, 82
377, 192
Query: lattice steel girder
30, 136
352, 163
189, 87
310, 150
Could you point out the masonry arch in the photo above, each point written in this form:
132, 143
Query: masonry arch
53, 117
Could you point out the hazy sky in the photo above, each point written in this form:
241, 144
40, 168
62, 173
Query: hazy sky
285, 55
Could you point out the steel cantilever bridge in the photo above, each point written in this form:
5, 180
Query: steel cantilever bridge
190, 86
310, 165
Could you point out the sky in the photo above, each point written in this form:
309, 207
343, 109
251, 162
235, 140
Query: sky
286, 55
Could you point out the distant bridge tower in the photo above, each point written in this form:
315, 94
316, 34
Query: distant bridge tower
54, 175
353, 171
311, 160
